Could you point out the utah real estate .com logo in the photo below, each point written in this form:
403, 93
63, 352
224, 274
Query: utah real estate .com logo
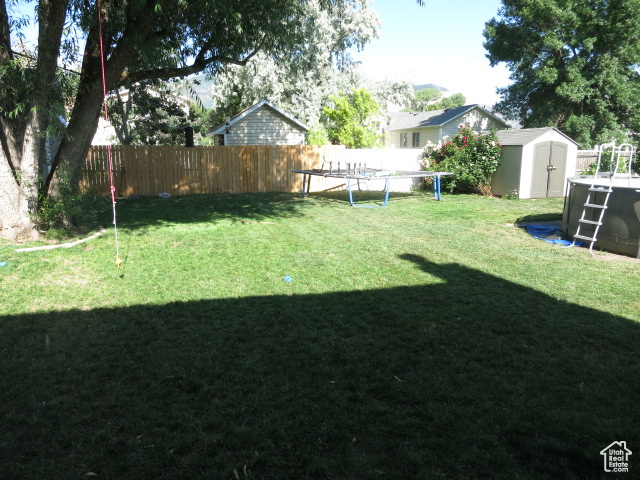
616, 457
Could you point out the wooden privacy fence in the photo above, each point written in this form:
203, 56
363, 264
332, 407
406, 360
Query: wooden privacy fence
587, 157
584, 160
149, 170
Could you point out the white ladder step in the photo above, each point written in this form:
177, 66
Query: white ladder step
584, 237
601, 189
594, 205
590, 222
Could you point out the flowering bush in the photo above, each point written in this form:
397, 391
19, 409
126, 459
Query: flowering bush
471, 157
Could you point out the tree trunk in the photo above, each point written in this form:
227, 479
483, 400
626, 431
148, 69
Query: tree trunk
70, 158
16, 223
21, 154
72, 153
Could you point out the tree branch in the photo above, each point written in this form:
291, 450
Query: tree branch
198, 65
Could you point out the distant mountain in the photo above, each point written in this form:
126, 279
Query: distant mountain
429, 85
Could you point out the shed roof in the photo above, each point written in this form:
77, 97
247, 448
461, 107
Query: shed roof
434, 118
220, 129
524, 136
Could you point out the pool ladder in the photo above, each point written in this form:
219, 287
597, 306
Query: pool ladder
593, 209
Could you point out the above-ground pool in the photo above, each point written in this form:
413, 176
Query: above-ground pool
620, 230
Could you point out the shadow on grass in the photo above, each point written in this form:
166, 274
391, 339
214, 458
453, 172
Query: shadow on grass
362, 198
470, 376
144, 212
151, 211
540, 218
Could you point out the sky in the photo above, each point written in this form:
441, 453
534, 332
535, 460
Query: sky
439, 43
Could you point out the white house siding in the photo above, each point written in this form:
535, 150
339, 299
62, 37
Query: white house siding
265, 127
392, 138
475, 119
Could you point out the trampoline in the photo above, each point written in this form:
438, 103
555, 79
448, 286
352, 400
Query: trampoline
368, 174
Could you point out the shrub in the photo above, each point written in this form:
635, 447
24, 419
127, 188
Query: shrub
471, 157
318, 135
68, 209
606, 163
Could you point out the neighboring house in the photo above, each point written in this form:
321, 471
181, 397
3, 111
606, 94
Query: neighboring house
261, 124
105, 133
415, 129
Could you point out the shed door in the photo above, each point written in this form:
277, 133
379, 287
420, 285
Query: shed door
557, 164
541, 154
549, 162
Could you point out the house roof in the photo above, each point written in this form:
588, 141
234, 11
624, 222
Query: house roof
434, 118
523, 136
220, 129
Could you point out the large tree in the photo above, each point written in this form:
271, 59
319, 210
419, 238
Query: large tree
574, 65
427, 99
301, 83
143, 39
149, 113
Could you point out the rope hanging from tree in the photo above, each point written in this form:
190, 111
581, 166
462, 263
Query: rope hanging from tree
112, 187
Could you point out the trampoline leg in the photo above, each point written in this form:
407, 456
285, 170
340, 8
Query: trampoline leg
351, 202
436, 187
387, 188
306, 182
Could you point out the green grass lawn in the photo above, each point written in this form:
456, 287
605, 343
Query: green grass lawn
422, 340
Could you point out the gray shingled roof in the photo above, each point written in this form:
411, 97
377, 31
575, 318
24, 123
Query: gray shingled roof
434, 118
523, 136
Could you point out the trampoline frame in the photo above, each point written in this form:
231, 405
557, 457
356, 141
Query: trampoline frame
371, 174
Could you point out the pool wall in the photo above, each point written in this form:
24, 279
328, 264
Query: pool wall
620, 228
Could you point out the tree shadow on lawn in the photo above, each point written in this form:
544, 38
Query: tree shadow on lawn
469, 376
143, 212
140, 213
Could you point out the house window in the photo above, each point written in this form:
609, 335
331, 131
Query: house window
403, 140
415, 139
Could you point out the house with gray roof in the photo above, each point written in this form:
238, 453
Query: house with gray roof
415, 129
260, 124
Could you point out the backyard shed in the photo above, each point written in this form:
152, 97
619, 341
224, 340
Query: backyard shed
261, 124
535, 163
